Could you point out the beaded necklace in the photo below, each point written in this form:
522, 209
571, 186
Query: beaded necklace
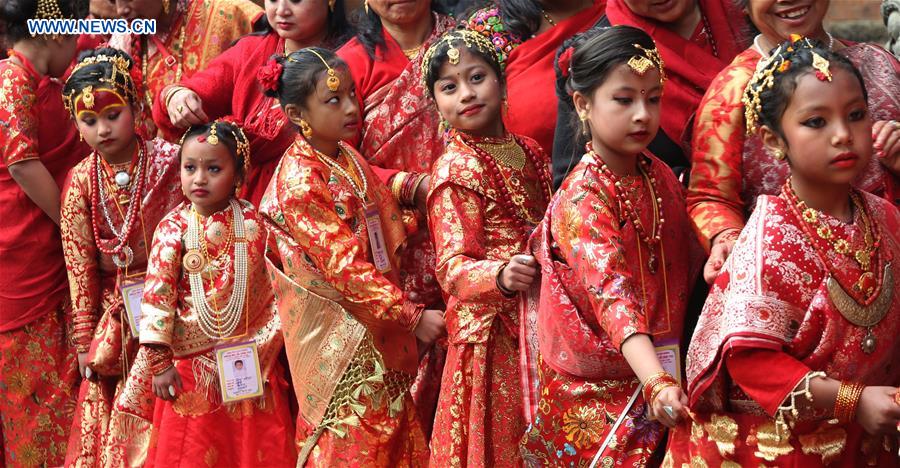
653, 237
121, 253
512, 203
865, 311
361, 187
221, 323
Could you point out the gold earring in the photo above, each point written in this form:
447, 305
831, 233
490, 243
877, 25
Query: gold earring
165, 6
778, 154
305, 128
366, 6
331, 5
584, 123
80, 136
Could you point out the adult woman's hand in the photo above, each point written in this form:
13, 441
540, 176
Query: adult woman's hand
878, 412
886, 141
185, 107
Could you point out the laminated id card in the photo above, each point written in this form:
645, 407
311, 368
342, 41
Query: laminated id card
239, 373
131, 296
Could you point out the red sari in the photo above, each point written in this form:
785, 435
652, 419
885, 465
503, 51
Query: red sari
38, 375
530, 75
228, 87
480, 418
400, 135
347, 326
769, 321
730, 170
197, 426
100, 326
201, 31
597, 290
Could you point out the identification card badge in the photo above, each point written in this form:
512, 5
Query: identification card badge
376, 239
131, 296
669, 356
239, 373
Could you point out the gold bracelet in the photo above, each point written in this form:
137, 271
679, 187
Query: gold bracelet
847, 401
397, 185
415, 188
170, 94
657, 383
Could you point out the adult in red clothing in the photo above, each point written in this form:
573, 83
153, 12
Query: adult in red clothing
528, 32
228, 87
38, 373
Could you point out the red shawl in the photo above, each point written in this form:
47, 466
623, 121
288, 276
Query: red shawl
530, 77
228, 87
690, 67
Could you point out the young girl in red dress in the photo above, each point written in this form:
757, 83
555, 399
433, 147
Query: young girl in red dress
617, 259
112, 202
207, 303
488, 191
350, 331
38, 374
794, 359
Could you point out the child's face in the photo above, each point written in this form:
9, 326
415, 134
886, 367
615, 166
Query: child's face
827, 129
623, 111
208, 174
110, 130
333, 115
469, 96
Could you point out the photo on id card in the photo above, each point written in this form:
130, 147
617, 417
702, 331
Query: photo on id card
239, 373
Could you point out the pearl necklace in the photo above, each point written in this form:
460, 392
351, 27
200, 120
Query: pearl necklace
121, 254
218, 324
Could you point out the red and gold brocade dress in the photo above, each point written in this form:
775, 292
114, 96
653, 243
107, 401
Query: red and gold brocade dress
100, 325
38, 370
482, 208
401, 137
197, 426
348, 328
201, 31
730, 169
598, 288
771, 319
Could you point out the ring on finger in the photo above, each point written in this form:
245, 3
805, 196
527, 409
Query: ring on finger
894, 124
180, 109
670, 411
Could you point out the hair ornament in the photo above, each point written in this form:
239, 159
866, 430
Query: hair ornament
125, 91
822, 67
87, 97
471, 39
269, 74
332, 82
648, 58
565, 62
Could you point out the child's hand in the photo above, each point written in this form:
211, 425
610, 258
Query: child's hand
421, 196
878, 412
185, 108
519, 273
168, 384
83, 368
886, 141
672, 399
431, 326
721, 249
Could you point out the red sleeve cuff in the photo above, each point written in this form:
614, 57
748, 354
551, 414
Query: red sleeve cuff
765, 375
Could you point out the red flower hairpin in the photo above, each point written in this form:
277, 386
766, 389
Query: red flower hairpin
565, 62
269, 74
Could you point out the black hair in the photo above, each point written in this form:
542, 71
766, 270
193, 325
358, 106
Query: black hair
438, 56
368, 25
16, 13
521, 17
774, 99
98, 74
302, 71
596, 53
227, 134
337, 24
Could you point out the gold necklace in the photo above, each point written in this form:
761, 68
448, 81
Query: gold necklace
506, 152
412, 53
548, 18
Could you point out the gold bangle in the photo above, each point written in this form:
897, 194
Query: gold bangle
415, 188
657, 383
847, 401
170, 94
397, 185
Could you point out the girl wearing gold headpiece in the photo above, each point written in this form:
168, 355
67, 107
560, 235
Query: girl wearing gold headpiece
207, 304
112, 201
350, 331
38, 374
489, 189
794, 358
189, 35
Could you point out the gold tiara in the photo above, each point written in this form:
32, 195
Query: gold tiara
648, 58
471, 39
120, 66
241, 142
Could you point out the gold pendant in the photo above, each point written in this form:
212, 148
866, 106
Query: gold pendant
863, 257
869, 342
863, 315
193, 261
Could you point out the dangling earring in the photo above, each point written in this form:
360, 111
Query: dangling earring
778, 154
505, 107
366, 6
80, 136
331, 5
305, 129
585, 129
165, 6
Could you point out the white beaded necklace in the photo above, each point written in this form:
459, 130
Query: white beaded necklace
221, 323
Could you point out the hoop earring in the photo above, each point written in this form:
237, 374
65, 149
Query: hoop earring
305, 129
